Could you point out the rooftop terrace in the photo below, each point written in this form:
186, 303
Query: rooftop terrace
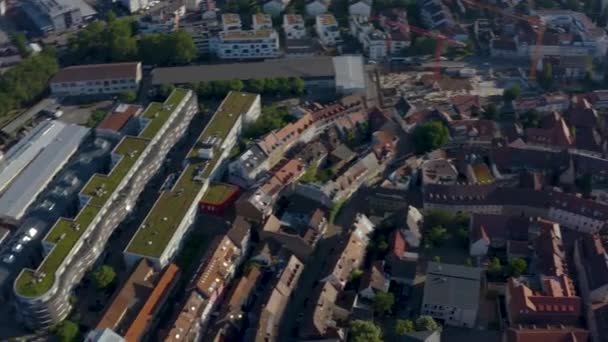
170, 208
101, 187
158, 113
64, 235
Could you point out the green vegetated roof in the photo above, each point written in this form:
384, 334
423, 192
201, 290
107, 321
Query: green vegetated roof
218, 193
158, 113
101, 187
66, 232
170, 208
64, 235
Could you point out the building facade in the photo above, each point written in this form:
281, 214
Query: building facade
97, 79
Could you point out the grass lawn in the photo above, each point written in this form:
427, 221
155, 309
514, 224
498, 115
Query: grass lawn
218, 193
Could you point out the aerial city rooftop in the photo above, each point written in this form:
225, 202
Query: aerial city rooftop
321, 170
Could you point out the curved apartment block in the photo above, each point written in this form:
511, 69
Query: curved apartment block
72, 246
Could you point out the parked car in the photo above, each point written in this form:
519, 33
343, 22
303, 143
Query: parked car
17, 248
32, 232
8, 259
25, 239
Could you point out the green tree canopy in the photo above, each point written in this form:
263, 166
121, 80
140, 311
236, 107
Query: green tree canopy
518, 267
427, 323
364, 331
103, 276
404, 326
430, 136
511, 93
383, 302
437, 236
67, 331
127, 97
27, 81
20, 41
495, 268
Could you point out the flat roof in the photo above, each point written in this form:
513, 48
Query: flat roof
22, 153
158, 113
171, 207
305, 67
101, 187
66, 232
350, 73
34, 177
64, 235
218, 193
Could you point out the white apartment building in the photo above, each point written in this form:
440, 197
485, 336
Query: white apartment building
72, 246
134, 5
378, 43
95, 79
231, 22
328, 30
293, 26
261, 21
247, 44
159, 238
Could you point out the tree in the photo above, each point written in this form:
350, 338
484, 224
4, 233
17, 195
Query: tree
96, 118
490, 112
546, 77
255, 86
183, 47
297, 86
357, 273
364, 331
103, 276
127, 97
404, 326
20, 42
427, 323
518, 267
511, 93
430, 136
495, 268
66, 331
165, 90
26, 82
531, 119
436, 258
437, 235
383, 302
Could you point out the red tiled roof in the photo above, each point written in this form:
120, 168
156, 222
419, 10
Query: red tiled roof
546, 334
398, 244
117, 119
140, 324
97, 72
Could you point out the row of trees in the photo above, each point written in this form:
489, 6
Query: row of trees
26, 82
368, 331
280, 87
114, 40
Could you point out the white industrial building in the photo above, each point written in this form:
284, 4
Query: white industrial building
350, 74
57, 15
33, 174
97, 79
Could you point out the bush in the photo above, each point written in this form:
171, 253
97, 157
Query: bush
364, 331
127, 97
66, 331
103, 277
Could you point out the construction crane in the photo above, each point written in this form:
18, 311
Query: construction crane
441, 39
535, 23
